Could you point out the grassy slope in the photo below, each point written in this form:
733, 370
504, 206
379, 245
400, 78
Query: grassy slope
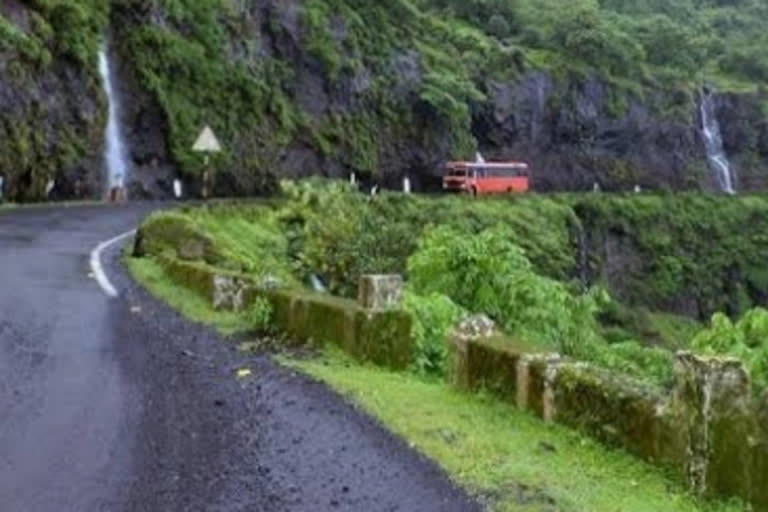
500, 453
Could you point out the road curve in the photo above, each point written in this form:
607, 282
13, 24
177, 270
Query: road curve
120, 405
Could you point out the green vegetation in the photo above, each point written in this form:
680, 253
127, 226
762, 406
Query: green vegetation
52, 120
689, 254
489, 274
457, 264
746, 340
68, 29
409, 73
509, 459
191, 305
514, 259
434, 316
378, 235
399, 59
638, 40
247, 239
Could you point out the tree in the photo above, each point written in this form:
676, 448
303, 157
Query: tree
498, 26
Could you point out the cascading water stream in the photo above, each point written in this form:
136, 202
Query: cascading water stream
114, 152
713, 142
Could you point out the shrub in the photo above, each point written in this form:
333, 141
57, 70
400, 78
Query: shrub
260, 316
746, 339
433, 317
487, 273
632, 358
498, 26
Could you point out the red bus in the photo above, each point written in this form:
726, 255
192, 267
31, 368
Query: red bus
479, 179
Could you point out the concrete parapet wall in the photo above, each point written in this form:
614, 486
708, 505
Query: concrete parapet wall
379, 336
708, 428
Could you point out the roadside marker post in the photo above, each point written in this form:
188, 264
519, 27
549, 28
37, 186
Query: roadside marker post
206, 143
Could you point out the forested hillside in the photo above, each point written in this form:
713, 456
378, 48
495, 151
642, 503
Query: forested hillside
587, 91
718, 41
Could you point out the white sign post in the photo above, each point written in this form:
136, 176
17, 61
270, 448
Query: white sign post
206, 143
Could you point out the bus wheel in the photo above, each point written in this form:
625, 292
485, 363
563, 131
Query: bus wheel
472, 192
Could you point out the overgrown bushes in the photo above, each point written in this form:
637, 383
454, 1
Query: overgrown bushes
514, 259
745, 339
690, 254
434, 316
486, 273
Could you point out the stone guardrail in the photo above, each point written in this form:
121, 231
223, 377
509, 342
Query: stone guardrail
709, 427
371, 329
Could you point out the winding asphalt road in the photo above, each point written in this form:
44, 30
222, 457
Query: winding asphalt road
118, 404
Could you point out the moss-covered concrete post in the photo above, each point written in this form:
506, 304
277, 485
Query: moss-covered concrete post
470, 329
536, 374
759, 469
714, 395
380, 292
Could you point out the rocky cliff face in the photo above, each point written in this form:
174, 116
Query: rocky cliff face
296, 88
52, 109
580, 132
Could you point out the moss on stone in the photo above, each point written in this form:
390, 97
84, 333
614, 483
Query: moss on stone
380, 337
732, 425
193, 276
384, 337
491, 365
620, 412
759, 460
172, 231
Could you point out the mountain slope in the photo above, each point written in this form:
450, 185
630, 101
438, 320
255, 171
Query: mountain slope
52, 111
589, 92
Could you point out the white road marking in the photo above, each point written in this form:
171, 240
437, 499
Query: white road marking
98, 269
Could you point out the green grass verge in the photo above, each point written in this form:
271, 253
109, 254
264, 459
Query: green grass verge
509, 458
151, 275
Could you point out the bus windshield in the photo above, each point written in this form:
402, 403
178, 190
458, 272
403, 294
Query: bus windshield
459, 173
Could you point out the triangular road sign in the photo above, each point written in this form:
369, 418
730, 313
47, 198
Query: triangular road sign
207, 142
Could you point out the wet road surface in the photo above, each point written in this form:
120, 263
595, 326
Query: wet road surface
121, 405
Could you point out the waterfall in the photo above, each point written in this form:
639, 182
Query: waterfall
317, 284
713, 142
114, 152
